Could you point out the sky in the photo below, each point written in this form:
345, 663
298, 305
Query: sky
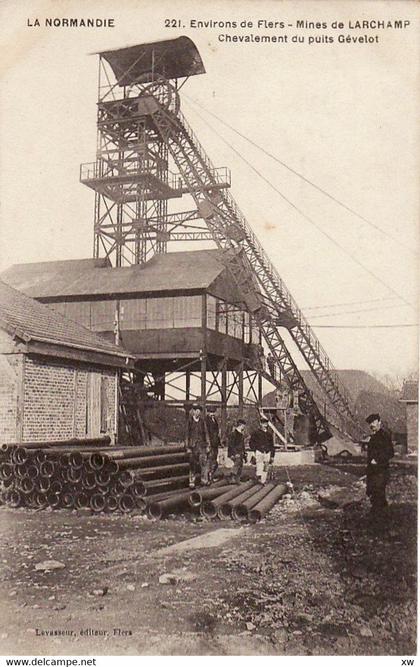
342, 115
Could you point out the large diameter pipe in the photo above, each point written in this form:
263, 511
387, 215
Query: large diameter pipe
103, 478
149, 451
41, 500
225, 510
26, 485
141, 462
240, 512
6, 449
148, 488
166, 483
265, 505
199, 495
53, 499
128, 476
89, 481
137, 489
47, 468
164, 471
156, 510
72, 442
75, 475
56, 486
131, 463
140, 504
44, 484
67, 500
19, 470
32, 470
97, 460
76, 460
145, 452
14, 498
81, 500
126, 503
19, 455
111, 467
155, 497
6, 471
111, 503
209, 508
98, 502
146, 462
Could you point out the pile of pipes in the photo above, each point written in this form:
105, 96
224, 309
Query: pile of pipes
248, 501
79, 474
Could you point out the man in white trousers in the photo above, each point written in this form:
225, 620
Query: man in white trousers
262, 444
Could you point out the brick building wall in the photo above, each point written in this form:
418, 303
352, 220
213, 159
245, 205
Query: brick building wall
412, 425
80, 412
10, 378
48, 412
55, 398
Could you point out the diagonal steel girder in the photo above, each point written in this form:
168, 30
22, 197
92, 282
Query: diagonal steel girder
219, 212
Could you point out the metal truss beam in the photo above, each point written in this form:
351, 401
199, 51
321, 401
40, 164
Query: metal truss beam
255, 276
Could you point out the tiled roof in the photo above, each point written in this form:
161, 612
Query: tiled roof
35, 321
175, 271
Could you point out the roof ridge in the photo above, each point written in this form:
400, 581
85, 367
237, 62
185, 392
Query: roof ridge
40, 322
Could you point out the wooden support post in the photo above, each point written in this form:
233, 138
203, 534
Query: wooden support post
203, 351
203, 368
241, 388
223, 420
260, 388
187, 385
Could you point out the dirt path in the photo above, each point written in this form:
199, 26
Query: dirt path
306, 580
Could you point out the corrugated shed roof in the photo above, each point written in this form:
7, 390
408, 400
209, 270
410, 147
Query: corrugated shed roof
35, 321
410, 391
175, 271
172, 58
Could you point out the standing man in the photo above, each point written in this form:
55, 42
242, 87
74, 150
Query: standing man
236, 451
262, 443
197, 443
213, 431
380, 452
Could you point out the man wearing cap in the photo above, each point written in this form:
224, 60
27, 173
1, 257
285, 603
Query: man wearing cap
198, 444
262, 443
380, 452
214, 438
236, 451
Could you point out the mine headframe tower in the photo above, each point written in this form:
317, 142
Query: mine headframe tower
147, 157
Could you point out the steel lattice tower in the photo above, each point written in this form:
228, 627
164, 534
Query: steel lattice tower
147, 159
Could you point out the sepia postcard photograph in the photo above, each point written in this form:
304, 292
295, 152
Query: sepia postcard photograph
209, 252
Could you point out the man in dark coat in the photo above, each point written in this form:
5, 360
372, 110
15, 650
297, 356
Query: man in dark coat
262, 443
380, 452
198, 444
236, 451
214, 438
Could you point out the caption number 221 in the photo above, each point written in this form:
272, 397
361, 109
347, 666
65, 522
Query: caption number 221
173, 23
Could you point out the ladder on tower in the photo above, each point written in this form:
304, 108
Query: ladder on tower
264, 294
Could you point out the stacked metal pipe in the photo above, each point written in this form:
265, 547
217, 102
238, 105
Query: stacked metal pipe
249, 501
78, 474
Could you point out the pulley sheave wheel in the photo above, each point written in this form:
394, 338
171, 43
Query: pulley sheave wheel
164, 92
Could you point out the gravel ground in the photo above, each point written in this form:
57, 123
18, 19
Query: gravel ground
307, 580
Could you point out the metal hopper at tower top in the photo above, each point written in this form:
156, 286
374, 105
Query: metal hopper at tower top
147, 159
